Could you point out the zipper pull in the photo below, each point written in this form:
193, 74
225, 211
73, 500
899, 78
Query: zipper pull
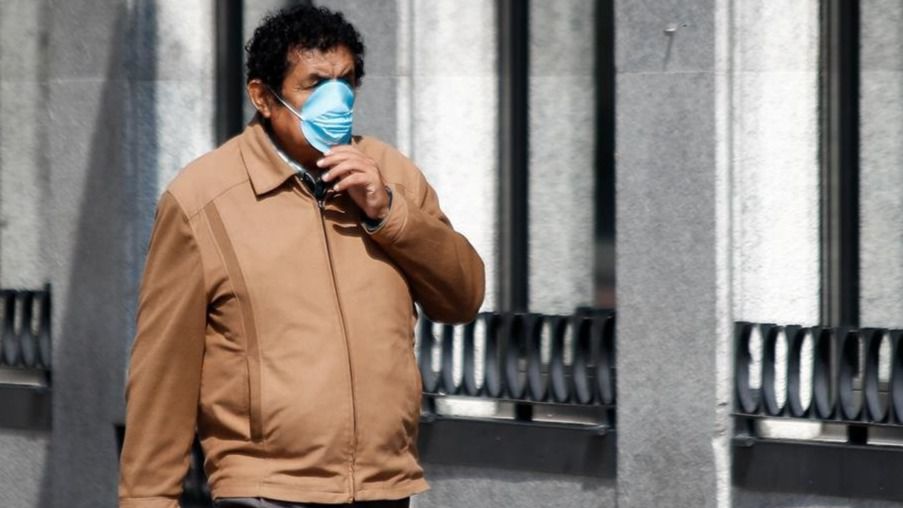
321, 193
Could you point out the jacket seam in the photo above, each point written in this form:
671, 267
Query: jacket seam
381, 488
282, 484
215, 197
256, 485
245, 326
377, 486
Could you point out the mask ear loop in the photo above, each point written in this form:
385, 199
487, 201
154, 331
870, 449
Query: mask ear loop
284, 103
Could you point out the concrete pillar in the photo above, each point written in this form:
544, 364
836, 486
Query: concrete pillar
562, 155
774, 120
880, 159
717, 169
672, 254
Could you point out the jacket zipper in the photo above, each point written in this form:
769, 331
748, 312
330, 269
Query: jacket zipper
321, 205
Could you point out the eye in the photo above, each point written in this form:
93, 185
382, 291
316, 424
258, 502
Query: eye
307, 85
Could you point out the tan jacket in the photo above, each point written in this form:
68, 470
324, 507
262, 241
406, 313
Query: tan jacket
285, 332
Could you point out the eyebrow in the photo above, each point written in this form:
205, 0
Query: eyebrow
348, 74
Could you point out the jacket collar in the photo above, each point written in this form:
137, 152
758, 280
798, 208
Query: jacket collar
265, 168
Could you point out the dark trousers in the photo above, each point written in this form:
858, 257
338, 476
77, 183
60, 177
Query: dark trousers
259, 502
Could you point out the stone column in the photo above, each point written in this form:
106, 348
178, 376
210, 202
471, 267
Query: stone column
880, 160
673, 286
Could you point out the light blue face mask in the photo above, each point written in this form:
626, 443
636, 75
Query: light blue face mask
326, 114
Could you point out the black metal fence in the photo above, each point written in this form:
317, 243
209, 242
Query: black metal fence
513, 368
26, 329
845, 386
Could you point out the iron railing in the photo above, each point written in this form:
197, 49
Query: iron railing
513, 368
25, 356
845, 387
26, 346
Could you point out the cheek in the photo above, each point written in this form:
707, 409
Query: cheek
288, 129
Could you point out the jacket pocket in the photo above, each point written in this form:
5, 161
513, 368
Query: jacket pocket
252, 351
415, 394
415, 386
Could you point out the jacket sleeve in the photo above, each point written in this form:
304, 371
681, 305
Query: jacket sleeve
164, 372
446, 273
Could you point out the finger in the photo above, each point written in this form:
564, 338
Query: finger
334, 158
353, 180
342, 148
348, 166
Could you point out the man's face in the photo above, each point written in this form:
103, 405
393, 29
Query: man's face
308, 69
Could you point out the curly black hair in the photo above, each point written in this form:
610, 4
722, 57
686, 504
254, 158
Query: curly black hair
299, 27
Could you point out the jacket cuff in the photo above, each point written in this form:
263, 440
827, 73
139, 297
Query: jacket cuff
392, 224
373, 224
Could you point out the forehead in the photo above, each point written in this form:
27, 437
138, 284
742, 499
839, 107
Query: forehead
334, 61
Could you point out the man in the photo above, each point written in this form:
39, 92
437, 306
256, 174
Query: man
276, 309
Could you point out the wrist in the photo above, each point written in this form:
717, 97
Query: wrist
374, 222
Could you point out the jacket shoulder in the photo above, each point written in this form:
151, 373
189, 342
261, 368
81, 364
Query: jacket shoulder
208, 176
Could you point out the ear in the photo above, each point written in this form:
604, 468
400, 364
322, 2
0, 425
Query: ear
260, 97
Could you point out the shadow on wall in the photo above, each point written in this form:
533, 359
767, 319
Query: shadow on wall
98, 235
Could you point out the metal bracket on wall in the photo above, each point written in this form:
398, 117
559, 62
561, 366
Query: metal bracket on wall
539, 447
25, 407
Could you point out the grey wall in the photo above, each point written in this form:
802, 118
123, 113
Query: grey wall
458, 486
102, 103
774, 153
23, 182
561, 160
